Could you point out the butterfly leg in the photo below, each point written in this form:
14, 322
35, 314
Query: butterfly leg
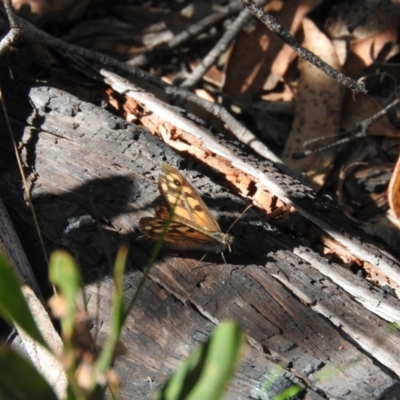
202, 258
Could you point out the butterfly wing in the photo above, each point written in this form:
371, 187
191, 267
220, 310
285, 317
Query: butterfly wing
178, 236
180, 196
191, 225
161, 208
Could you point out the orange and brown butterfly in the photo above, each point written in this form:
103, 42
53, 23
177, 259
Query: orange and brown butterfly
192, 226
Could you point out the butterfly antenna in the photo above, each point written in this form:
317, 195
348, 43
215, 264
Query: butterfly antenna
237, 219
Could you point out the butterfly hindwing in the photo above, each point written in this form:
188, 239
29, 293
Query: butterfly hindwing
178, 237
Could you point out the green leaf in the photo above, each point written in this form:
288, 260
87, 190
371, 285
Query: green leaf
19, 380
13, 305
205, 374
117, 314
64, 273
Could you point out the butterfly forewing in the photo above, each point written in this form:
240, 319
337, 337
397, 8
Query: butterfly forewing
191, 224
180, 195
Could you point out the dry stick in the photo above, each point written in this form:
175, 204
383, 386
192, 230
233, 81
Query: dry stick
272, 24
240, 132
22, 172
11, 14
167, 112
14, 33
359, 131
88, 58
221, 46
192, 31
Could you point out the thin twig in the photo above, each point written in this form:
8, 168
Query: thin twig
221, 46
15, 33
240, 132
272, 24
11, 14
359, 131
172, 115
21, 170
192, 31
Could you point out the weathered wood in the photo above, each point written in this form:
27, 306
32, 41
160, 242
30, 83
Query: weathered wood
259, 181
296, 306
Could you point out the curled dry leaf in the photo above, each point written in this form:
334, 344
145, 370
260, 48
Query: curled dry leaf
394, 192
318, 109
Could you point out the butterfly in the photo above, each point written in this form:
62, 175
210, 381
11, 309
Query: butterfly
192, 226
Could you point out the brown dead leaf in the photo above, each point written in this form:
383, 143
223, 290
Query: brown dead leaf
358, 107
318, 108
394, 191
259, 59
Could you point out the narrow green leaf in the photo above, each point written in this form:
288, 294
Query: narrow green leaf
19, 380
117, 314
13, 305
205, 374
289, 393
65, 275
